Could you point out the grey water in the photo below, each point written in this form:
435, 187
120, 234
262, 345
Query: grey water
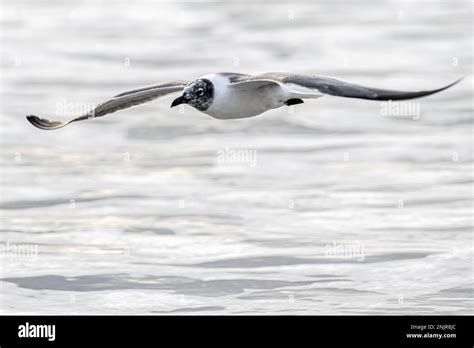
335, 206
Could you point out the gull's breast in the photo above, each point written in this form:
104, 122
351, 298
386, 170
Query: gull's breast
231, 103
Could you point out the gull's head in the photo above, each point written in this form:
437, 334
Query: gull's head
198, 94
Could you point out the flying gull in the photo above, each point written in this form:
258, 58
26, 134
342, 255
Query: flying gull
232, 95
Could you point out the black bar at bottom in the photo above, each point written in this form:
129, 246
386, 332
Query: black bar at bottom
452, 331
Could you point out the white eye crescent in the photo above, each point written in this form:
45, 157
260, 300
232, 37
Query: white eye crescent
199, 92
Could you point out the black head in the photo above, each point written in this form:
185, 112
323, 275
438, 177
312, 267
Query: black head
199, 94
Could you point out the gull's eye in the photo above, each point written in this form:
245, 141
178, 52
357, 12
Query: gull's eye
199, 92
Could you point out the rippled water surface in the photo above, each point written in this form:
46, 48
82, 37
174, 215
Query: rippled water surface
330, 207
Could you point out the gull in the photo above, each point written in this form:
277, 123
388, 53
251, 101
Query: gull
232, 95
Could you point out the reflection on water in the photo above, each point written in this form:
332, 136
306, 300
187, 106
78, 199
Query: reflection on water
343, 208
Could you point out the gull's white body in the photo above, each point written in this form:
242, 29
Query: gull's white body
231, 102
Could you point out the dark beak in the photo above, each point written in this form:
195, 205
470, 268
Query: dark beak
180, 100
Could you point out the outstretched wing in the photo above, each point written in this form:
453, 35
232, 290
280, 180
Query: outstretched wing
119, 102
335, 87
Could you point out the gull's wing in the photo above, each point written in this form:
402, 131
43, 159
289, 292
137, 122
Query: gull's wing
335, 87
253, 83
119, 102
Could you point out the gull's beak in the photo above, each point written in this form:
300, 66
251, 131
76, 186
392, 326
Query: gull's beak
180, 100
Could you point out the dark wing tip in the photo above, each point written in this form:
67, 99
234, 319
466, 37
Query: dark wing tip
450, 85
42, 123
396, 95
